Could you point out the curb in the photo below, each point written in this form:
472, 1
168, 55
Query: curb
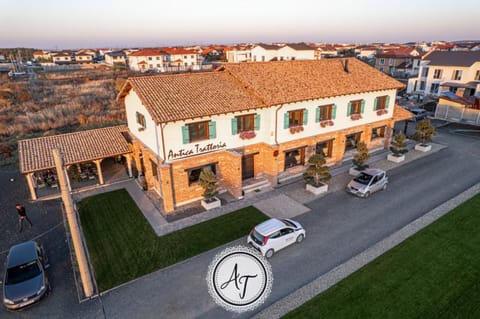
323, 282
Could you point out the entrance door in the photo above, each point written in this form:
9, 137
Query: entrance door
247, 166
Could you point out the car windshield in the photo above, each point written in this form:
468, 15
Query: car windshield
288, 223
363, 178
22, 273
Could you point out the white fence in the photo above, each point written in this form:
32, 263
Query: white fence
458, 114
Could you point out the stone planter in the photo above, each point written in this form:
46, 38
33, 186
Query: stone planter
423, 147
317, 190
396, 158
211, 203
353, 171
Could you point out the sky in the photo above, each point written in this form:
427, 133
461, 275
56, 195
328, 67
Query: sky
66, 24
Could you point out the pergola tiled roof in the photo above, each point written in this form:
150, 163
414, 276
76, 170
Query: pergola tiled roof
401, 114
35, 154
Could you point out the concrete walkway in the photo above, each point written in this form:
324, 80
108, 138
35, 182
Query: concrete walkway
285, 201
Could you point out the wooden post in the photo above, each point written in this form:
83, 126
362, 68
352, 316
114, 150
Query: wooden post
129, 165
33, 193
73, 225
99, 171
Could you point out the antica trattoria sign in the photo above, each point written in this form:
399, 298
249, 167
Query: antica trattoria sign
196, 150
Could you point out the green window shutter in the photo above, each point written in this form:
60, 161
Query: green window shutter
349, 108
317, 115
305, 117
185, 136
212, 130
234, 126
387, 101
257, 122
362, 107
375, 104
286, 120
334, 111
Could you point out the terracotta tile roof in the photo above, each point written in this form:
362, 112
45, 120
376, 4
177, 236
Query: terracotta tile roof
173, 51
292, 81
401, 114
170, 98
148, 52
36, 154
244, 86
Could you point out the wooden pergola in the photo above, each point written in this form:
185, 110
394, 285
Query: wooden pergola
35, 155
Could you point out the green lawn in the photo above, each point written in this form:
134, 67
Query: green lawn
434, 274
123, 246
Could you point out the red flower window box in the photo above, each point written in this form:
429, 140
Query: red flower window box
296, 129
246, 135
326, 123
355, 117
381, 112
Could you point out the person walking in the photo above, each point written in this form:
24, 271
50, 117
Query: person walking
22, 215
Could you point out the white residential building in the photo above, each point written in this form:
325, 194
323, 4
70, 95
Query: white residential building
239, 54
115, 57
457, 72
264, 52
147, 59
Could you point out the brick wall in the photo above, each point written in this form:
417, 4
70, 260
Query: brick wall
269, 162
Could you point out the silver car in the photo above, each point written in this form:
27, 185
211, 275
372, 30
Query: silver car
369, 181
25, 279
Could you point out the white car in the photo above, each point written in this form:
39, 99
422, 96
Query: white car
275, 234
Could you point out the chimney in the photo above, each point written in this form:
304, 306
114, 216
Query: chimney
345, 66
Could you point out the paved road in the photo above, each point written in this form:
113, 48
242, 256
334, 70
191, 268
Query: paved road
49, 230
339, 226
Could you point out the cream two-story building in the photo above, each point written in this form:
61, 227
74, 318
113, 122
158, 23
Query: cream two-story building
254, 121
440, 71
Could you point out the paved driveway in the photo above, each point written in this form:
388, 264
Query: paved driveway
48, 229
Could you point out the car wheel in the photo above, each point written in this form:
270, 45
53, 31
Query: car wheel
300, 238
269, 253
367, 194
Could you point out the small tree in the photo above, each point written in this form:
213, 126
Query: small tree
399, 144
316, 172
424, 131
361, 157
208, 180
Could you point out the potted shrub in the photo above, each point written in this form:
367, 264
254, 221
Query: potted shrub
423, 135
317, 175
398, 148
359, 159
208, 180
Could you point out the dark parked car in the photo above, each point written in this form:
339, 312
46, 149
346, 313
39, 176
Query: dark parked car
420, 114
25, 280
